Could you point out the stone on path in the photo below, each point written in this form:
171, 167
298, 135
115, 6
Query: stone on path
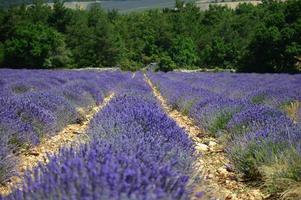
201, 147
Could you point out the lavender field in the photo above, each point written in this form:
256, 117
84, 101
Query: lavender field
136, 147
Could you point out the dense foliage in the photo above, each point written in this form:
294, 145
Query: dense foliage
36, 104
263, 38
258, 115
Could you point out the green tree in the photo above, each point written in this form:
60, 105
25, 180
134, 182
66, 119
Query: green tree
219, 53
60, 16
262, 38
184, 51
92, 41
180, 4
214, 53
35, 46
277, 41
39, 12
166, 64
261, 53
10, 19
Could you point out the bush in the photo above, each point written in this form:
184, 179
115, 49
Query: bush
250, 157
166, 64
35, 46
184, 51
128, 65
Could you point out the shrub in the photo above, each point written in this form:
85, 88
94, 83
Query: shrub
34, 46
166, 64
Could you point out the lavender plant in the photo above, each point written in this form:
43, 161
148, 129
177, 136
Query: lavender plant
37, 103
252, 111
135, 152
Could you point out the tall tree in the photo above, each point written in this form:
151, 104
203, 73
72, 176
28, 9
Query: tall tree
39, 12
34, 46
277, 41
91, 39
60, 16
184, 51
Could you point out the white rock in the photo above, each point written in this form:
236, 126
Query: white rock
202, 147
212, 144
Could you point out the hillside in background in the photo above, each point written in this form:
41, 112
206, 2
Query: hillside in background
140, 5
7, 3
123, 5
131, 5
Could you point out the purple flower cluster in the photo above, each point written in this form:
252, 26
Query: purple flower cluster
257, 116
247, 109
136, 152
37, 103
97, 171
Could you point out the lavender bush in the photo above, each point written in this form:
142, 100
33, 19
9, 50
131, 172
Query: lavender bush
250, 110
37, 103
135, 150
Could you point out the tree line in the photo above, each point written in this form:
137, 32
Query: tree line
262, 38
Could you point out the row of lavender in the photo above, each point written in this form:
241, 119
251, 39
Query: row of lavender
135, 152
250, 112
34, 104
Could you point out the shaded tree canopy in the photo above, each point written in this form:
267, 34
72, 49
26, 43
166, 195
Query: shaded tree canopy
262, 38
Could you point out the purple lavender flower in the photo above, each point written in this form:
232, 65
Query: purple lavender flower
38, 103
136, 152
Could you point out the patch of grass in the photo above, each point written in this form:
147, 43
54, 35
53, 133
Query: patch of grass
17, 144
294, 192
258, 99
239, 130
20, 89
278, 165
292, 110
38, 128
284, 174
220, 122
7, 168
187, 106
245, 161
249, 158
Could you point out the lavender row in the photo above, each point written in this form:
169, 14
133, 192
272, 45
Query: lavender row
262, 141
136, 152
35, 103
272, 90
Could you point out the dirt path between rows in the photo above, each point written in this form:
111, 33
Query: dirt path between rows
220, 179
72, 134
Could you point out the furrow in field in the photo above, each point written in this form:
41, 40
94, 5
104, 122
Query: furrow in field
72, 134
220, 180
